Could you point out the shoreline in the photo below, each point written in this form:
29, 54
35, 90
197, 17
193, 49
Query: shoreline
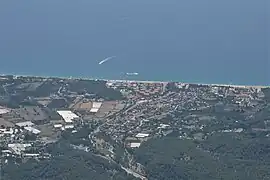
138, 81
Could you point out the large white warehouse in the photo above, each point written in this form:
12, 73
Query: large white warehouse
68, 116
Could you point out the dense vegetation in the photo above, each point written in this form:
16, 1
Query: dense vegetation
57, 103
266, 92
18, 92
98, 88
223, 156
67, 164
2, 91
220, 155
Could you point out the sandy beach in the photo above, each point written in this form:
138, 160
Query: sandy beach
143, 81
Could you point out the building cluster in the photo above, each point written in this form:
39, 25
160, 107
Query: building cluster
137, 89
22, 136
30, 117
189, 108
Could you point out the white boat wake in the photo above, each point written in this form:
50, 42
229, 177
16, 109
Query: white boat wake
106, 59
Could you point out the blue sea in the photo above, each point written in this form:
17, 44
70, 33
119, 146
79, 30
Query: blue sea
206, 41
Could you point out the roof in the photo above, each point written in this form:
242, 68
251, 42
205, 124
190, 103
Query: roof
19, 145
33, 130
5, 131
135, 145
94, 110
57, 125
69, 127
17, 148
68, 116
26, 123
31, 154
141, 135
163, 126
95, 107
4, 111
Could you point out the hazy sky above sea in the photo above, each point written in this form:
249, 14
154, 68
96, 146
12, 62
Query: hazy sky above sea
213, 41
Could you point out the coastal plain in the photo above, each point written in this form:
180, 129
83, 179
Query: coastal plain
82, 128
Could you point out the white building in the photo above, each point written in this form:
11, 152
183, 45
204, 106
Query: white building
31, 155
7, 131
69, 126
4, 111
24, 124
141, 135
32, 130
135, 145
68, 116
57, 125
163, 126
95, 107
18, 148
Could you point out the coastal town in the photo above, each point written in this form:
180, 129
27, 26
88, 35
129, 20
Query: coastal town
103, 116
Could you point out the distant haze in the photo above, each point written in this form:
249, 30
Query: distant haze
209, 41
